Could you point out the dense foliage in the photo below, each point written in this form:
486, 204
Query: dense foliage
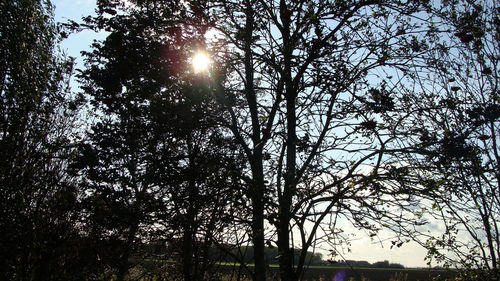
155, 166
37, 197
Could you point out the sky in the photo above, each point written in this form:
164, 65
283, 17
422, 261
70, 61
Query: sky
75, 10
362, 247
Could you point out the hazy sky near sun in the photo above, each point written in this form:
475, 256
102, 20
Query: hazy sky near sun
362, 247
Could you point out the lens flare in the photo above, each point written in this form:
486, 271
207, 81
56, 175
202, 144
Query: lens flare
340, 276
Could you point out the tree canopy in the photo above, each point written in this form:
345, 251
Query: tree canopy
37, 122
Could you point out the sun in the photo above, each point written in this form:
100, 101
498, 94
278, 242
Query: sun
201, 61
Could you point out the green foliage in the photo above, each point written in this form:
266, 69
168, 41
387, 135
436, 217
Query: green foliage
478, 274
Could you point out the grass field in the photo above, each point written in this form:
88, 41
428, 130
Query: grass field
374, 274
330, 273
233, 271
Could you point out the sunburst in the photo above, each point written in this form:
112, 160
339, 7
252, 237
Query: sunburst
201, 62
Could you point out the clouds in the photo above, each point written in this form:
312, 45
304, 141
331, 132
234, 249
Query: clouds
378, 248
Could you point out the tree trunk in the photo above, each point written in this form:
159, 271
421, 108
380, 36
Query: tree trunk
187, 248
258, 223
188, 239
124, 264
257, 187
287, 271
285, 204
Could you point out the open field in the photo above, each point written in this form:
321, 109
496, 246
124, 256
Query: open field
233, 271
330, 273
373, 274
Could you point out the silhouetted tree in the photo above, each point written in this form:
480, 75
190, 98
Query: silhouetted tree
37, 198
155, 164
305, 98
457, 131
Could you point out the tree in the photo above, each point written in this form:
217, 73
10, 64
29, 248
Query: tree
155, 165
307, 100
37, 115
458, 122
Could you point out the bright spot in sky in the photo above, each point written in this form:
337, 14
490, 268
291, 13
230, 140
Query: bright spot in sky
200, 62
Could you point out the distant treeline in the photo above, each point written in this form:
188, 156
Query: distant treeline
231, 253
245, 254
378, 264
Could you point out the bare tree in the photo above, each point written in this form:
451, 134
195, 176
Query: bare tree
458, 121
307, 99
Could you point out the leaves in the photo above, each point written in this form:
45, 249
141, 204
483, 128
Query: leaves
39, 198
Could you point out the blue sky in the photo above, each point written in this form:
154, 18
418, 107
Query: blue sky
75, 10
362, 248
